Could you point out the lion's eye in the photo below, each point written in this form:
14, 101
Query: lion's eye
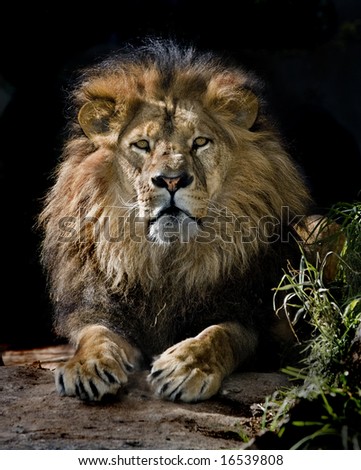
200, 142
142, 144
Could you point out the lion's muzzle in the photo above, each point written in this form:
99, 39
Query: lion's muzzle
172, 223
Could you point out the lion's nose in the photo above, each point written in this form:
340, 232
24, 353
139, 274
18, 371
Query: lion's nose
172, 183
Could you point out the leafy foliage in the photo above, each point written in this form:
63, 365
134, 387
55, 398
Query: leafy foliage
323, 409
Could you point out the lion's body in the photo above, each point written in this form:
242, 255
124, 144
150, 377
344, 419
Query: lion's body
170, 218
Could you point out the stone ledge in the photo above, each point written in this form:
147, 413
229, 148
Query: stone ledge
34, 416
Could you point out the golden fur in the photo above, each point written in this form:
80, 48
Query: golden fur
168, 223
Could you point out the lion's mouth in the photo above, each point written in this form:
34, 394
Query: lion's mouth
173, 212
172, 224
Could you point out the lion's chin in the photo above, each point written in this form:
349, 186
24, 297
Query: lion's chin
172, 227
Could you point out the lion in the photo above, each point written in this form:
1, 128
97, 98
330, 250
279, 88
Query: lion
168, 225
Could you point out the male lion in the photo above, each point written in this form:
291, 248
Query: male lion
168, 225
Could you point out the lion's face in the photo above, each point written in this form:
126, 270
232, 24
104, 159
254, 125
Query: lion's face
172, 155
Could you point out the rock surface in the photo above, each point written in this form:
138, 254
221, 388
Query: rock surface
34, 416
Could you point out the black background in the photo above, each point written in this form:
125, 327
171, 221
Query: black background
308, 52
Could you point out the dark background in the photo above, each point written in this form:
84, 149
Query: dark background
308, 52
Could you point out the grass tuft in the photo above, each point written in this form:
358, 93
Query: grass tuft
323, 408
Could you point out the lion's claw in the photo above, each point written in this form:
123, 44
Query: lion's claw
90, 380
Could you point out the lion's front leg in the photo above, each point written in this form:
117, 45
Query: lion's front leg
99, 367
193, 369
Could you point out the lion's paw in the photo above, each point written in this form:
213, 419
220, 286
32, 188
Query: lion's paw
186, 372
95, 374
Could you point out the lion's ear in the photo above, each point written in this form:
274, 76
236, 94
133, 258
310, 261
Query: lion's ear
241, 108
94, 117
247, 111
227, 95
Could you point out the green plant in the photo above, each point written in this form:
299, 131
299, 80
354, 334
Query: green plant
323, 409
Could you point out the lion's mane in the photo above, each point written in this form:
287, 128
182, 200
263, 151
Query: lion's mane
143, 279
